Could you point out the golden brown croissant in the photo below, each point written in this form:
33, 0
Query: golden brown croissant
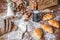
47, 28
48, 16
54, 23
38, 33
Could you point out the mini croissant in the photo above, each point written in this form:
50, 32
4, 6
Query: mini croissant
37, 33
47, 28
48, 16
54, 23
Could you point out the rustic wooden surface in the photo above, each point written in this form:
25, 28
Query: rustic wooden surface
57, 31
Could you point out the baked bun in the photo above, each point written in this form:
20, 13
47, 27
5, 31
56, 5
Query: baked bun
38, 33
48, 16
47, 28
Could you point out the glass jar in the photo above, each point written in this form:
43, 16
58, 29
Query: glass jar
37, 16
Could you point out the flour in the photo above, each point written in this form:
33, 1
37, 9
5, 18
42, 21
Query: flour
9, 10
2, 25
14, 35
49, 36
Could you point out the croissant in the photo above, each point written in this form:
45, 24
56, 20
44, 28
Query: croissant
38, 33
54, 23
47, 28
48, 16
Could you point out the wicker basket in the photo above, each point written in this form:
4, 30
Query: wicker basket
42, 4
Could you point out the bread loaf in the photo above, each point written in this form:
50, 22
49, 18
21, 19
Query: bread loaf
2, 27
14, 27
9, 26
42, 4
6, 25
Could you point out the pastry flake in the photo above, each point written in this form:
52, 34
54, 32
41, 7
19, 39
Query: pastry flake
54, 23
48, 16
38, 33
47, 28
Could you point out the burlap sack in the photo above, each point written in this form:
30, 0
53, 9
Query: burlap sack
42, 4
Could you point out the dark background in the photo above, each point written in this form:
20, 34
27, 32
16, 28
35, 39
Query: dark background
59, 2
